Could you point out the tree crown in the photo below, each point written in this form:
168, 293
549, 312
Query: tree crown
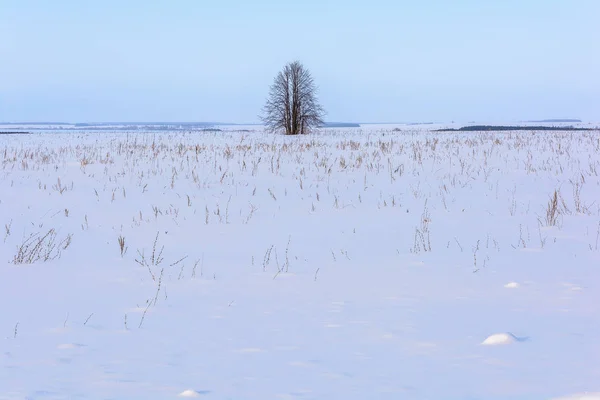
292, 106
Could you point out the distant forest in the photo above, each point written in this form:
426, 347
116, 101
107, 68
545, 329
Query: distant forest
340, 125
478, 128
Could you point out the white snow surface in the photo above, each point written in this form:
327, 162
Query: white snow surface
581, 396
349, 264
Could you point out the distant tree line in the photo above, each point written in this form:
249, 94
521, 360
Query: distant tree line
477, 128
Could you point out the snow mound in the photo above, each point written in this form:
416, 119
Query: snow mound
189, 393
67, 346
500, 339
581, 396
512, 285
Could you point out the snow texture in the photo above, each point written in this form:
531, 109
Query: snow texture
350, 264
582, 396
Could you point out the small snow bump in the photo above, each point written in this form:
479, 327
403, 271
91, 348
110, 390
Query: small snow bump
67, 346
499, 339
573, 287
189, 393
512, 285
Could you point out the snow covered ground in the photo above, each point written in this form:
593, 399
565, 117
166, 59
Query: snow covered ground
349, 264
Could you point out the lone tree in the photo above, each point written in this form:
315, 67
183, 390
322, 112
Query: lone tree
292, 106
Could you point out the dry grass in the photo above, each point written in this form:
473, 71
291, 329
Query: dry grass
122, 247
231, 179
552, 210
41, 247
155, 258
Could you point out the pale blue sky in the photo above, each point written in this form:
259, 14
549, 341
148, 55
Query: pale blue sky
374, 61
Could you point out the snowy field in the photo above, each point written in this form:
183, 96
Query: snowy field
349, 264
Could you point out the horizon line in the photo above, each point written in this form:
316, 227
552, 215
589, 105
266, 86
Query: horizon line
548, 120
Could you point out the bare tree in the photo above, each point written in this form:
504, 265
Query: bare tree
292, 106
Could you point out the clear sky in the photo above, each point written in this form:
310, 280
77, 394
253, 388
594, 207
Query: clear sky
374, 61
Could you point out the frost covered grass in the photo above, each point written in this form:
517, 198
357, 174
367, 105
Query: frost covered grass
346, 264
